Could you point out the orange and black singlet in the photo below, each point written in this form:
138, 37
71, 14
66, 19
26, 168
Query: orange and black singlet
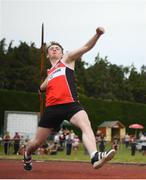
61, 87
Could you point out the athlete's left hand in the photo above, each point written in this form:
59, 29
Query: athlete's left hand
100, 30
39, 91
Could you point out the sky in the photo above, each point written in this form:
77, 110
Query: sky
73, 22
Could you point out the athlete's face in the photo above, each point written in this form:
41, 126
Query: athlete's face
55, 52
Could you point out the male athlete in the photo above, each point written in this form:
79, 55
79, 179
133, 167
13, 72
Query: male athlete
62, 103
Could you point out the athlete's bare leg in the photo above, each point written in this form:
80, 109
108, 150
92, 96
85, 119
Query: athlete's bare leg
41, 135
81, 120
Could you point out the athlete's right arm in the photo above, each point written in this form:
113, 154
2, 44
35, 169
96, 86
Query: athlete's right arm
76, 54
44, 85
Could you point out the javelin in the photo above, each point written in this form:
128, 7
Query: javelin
42, 69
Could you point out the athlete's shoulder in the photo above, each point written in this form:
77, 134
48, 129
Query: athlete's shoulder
67, 61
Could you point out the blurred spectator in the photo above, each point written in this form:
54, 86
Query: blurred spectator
6, 142
98, 135
53, 148
56, 138
75, 143
61, 139
127, 140
101, 143
16, 139
115, 144
133, 145
143, 138
69, 142
72, 134
140, 134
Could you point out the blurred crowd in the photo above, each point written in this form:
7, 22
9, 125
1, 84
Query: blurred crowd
63, 140
66, 140
132, 142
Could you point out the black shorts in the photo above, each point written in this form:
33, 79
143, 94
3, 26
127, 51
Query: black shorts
54, 115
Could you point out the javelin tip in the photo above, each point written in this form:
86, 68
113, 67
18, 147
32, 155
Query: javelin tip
42, 38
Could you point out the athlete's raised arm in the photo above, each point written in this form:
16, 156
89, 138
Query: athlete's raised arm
76, 54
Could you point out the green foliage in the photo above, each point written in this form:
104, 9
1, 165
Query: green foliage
108, 81
19, 67
20, 70
125, 112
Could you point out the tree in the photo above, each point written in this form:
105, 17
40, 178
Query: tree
20, 70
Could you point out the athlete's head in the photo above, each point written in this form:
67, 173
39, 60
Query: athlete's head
54, 50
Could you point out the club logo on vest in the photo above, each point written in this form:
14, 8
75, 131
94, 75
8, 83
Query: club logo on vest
58, 72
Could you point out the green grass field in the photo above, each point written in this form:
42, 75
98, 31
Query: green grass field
122, 156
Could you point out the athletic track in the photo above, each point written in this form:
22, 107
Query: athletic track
13, 169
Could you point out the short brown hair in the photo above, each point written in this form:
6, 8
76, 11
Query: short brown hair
54, 43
